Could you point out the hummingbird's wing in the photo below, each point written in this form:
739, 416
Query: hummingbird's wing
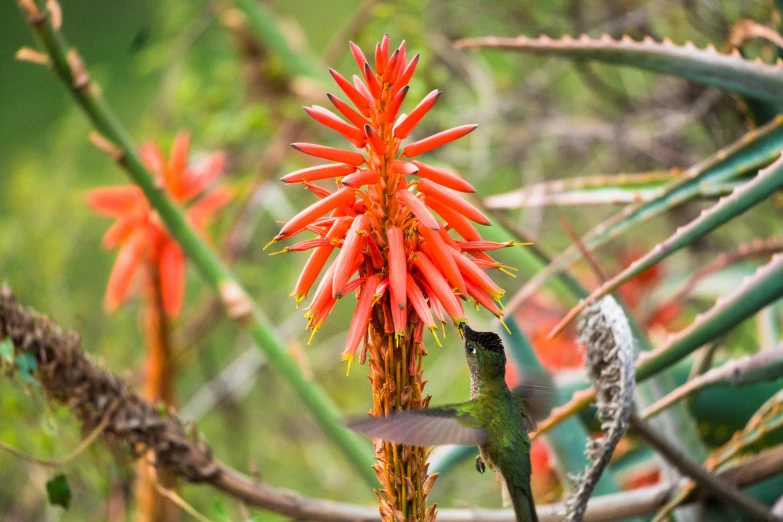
452, 424
534, 397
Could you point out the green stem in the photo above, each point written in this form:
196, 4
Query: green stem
213, 270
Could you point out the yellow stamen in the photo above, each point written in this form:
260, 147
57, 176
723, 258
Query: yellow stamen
504, 324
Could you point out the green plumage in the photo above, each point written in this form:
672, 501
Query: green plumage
496, 419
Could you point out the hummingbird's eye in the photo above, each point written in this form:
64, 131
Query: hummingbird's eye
471, 349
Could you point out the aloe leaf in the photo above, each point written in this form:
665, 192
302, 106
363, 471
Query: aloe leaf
730, 72
755, 149
743, 198
766, 365
758, 291
767, 420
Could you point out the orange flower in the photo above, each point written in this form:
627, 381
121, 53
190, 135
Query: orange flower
138, 232
382, 215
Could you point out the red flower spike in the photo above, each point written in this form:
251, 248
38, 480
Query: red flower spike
375, 140
439, 254
451, 200
396, 240
398, 264
439, 287
372, 82
437, 140
456, 220
396, 103
475, 275
330, 153
416, 298
144, 243
362, 178
316, 210
329, 119
415, 116
358, 55
351, 115
344, 263
406, 75
172, 278
360, 101
441, 177
319, 172
361, 317
418, 209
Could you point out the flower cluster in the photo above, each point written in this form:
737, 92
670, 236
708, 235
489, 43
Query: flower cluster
139, 233
381, 216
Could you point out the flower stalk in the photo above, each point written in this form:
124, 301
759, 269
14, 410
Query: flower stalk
398, 257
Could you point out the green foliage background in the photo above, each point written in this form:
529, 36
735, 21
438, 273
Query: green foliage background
168, 66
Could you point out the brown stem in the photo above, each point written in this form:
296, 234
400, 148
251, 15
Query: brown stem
396, 376
158, 387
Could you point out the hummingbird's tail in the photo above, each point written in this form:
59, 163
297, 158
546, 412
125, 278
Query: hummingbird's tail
522, 500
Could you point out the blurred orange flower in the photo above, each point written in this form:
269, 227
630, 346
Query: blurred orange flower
381, 217
138, 232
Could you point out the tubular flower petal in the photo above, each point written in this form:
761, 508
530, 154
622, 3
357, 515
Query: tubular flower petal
391, 245
475, 275
137, 231
440, 287
318, 259
318, 172
128, 261
344, 263
483, 299
360, 101
330, 153
316, 210
361, 317
351, 115
439, 253
418, 209
407, 73
452, 200
329, 119
116, 201
359, 179
415, 116
416, 298
172, 278
456, 220
469, 246
437, 140
398, 265
441, 177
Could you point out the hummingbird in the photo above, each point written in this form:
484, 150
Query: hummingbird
496, 419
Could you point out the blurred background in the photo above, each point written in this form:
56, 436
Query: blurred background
196, 65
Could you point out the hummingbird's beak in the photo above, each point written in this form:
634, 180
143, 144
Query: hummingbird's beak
465, 330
